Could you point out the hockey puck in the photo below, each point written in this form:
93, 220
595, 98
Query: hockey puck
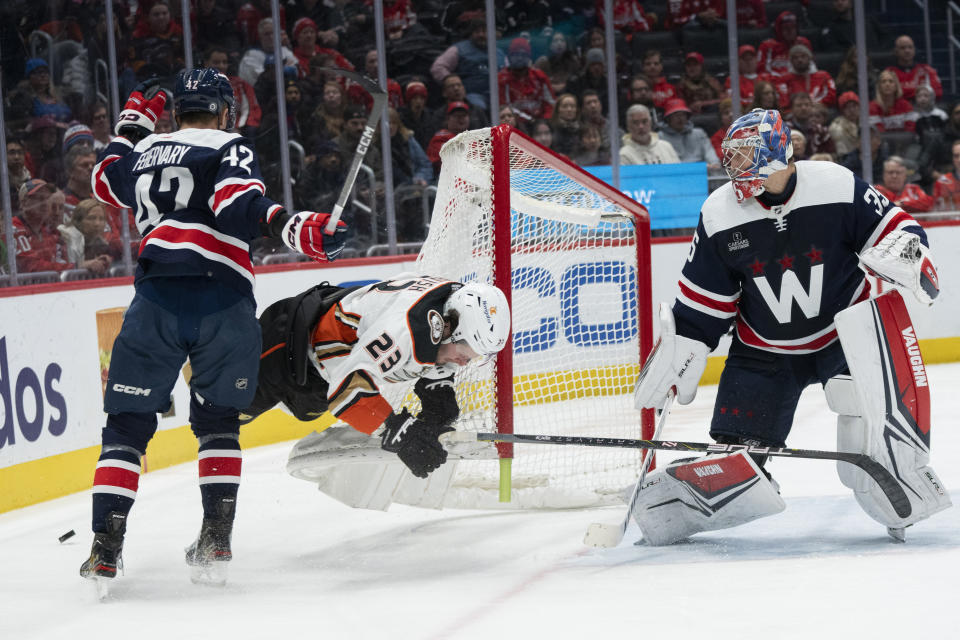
67, 535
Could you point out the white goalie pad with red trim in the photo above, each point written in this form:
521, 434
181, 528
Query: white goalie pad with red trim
715, 492
884, 408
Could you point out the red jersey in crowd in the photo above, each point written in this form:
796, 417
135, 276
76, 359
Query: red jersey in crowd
248, 109
359, 95
663, 91
946, 192
918, 74
628, 16
40, 250
912, 199
819, 85
747, 84
680, 12
529, 92
901, 117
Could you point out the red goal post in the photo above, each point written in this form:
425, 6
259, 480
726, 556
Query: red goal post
525, 209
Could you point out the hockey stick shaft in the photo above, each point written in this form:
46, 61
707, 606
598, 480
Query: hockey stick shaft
601, 535
887, 483
366, 139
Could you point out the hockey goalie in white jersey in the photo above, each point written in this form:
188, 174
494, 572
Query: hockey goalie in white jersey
777, 253
332, 348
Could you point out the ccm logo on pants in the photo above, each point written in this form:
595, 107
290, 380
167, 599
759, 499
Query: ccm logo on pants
134, 391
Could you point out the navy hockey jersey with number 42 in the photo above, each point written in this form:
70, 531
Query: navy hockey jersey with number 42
781, 276
197, 195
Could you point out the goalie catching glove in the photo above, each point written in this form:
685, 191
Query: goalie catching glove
415, 442
304, 233
901, 259
676, 362
140, 113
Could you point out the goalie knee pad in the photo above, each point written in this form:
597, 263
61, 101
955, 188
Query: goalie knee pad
716, 492
884, 409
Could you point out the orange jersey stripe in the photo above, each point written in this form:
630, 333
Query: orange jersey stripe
367, 413
331, 329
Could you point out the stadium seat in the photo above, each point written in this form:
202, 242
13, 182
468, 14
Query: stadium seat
776, 8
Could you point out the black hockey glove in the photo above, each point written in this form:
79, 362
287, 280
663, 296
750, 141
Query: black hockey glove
414, 442
438, 400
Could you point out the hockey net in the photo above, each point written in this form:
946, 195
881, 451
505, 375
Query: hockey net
572, 255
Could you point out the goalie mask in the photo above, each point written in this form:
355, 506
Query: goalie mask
483, 317
756, 145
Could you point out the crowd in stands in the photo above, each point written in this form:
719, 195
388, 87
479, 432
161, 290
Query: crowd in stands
674, 101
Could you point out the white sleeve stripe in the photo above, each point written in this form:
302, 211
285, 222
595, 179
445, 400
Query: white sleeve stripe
884, 221
226, 182
696, 306
226, 203
709, 294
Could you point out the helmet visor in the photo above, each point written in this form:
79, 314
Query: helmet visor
741, 157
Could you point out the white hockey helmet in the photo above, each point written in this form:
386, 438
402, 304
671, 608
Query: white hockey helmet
483, 317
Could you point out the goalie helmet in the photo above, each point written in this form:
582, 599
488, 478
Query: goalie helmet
483, 317
756, 145
205, 91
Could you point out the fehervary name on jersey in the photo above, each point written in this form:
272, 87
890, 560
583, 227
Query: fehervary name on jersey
166, 154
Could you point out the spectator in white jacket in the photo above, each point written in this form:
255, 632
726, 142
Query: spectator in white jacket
641, 145
256, 59
691, 143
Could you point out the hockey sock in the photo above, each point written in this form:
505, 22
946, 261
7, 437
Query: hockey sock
114, 483
219, 458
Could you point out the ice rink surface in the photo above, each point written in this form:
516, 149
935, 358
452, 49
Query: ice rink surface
304, 564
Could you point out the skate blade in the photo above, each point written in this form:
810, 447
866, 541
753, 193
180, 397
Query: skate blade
603, 535
102, 587
899, 534
213, 574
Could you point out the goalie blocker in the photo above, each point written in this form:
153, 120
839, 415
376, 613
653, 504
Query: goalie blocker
884, 412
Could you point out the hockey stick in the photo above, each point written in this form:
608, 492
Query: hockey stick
609, 535
887, 483
366, 138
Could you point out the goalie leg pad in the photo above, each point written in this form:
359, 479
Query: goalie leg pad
716, 492
884, 409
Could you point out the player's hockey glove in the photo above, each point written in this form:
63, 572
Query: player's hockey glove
415, 443
676, 362
900, 258
304, 233
438, 400
140, 113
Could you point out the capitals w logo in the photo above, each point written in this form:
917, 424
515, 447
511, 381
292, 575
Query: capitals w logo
791, 290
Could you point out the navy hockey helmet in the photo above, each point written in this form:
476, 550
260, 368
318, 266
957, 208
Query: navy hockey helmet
203, 90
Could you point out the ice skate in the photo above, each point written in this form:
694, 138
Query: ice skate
210, 552
106, 554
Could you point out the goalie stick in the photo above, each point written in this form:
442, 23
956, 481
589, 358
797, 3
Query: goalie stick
366, 139
600, 534
887, 483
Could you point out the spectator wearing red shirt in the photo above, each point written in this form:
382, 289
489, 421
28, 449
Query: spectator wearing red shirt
888, 110
458, 118
804, 76
35, 235
897, 190
525, 88
699, 89
774, 53
913, 74
305, 47
695, 13
747, 59
359, 95
946, 190
628, 17
653, 70
157, 41
725, 110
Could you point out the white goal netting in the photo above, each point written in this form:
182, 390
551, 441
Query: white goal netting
572, 254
